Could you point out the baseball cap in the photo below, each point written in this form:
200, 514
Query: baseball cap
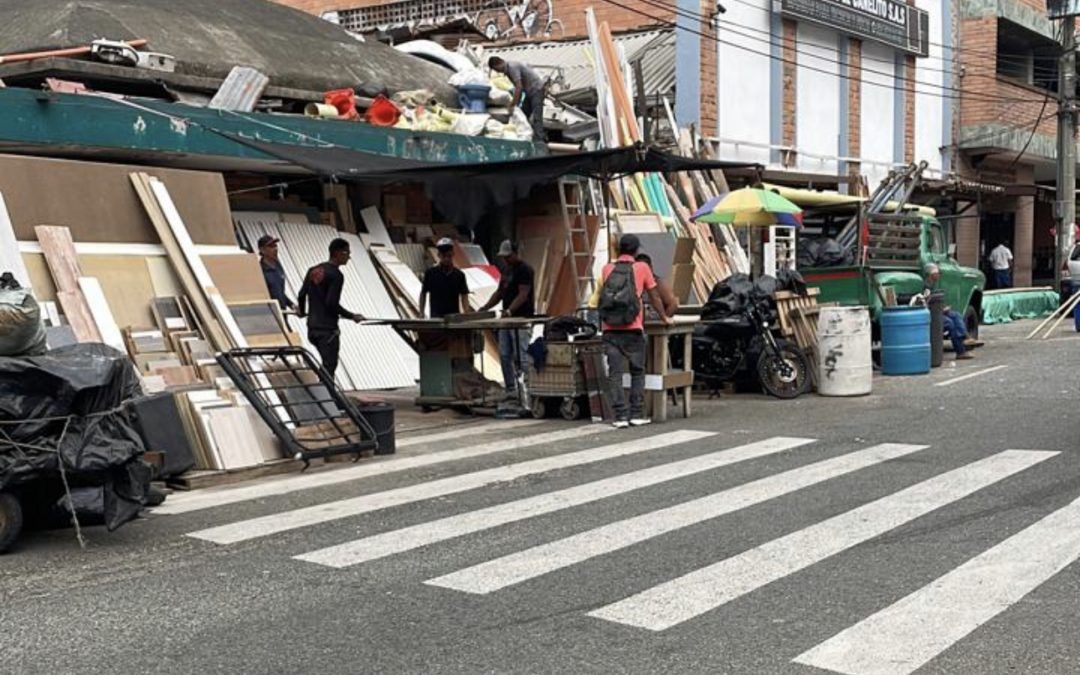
506, 248
629, 243
266, 240
444, 243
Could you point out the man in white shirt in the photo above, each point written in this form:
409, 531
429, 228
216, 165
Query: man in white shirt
1001, 262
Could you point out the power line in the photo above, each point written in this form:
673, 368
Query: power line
955, 48
967, 93
702, 19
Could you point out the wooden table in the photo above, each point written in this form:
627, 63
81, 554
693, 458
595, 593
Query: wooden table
660, 377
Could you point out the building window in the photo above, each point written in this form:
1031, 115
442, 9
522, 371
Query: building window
1026, 57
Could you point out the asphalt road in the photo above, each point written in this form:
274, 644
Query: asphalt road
820, 534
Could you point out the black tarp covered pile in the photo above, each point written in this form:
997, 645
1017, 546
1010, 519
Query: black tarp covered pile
83, 388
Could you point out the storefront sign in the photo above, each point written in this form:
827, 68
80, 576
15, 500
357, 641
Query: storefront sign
893, 23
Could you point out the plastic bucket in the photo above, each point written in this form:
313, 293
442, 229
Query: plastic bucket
381, 419
382, 113
845, 366
905, 340
473, 97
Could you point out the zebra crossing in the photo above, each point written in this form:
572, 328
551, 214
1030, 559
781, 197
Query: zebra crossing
899, 638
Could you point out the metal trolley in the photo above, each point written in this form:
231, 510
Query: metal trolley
562, 382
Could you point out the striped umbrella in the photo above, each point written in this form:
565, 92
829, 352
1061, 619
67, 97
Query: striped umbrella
750, 206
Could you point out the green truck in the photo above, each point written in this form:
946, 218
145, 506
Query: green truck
893, 252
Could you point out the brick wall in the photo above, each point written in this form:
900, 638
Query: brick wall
710, 119
789, 134
854, 103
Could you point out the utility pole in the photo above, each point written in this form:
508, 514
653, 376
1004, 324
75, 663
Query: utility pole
1066, 150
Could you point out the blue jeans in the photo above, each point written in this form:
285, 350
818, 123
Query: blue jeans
955, 329
513, 344
1002, 279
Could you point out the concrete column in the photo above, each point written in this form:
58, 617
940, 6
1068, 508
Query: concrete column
1024, 230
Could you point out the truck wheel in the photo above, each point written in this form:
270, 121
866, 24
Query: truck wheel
971, 322
11, 521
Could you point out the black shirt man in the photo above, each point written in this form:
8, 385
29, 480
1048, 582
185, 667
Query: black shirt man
323, 285
445, 284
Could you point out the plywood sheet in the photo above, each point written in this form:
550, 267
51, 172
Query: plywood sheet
373, 222
238, 278
40, 277
78, 316
127, 285
99, 204
162, 277
639, 223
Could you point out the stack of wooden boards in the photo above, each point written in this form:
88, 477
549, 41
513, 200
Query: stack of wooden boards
718, 252
798, 316
99, 260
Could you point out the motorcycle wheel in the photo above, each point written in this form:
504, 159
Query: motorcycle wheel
785, 374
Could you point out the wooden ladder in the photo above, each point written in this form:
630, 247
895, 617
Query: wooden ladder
579, 248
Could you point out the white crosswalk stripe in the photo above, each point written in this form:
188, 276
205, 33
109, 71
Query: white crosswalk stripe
465, 431
903, 637
213, 497
518, 567
322, 513
405, 539
710, 587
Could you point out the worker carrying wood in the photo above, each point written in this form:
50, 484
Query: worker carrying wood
529, 85
323, 283
445, 284
516, 291
273, 272
622, 315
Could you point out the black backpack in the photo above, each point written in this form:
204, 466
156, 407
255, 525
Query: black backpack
619, 302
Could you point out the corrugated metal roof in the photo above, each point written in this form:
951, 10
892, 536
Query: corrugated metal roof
568, 64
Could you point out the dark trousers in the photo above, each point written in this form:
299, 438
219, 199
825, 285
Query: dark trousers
533, 107
625, 350
1003, 278
955, 329
328, 343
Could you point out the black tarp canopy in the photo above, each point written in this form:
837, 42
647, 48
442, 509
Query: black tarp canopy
463, 193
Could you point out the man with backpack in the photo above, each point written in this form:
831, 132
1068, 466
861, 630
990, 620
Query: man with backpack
622, 315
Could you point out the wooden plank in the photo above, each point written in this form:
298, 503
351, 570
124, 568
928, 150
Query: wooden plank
373, 222
10, 258
102, 313
194, 262
162, 277
59, 251
78, 316
190, 285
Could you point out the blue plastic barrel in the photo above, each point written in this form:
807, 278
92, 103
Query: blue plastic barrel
905, 340
473, 97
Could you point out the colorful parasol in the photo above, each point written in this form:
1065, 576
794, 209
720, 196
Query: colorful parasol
750, 206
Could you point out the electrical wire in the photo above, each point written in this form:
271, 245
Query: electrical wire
966, 93
702, 19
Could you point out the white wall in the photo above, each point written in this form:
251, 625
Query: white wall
929, 131
877, 128
744, 81
818, 100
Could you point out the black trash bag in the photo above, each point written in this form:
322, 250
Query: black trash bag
823, 252
69, 403
791, 280
560, 328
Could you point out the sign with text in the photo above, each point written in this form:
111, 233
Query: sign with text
889, 22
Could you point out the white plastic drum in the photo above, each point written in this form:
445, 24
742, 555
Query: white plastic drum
844, 361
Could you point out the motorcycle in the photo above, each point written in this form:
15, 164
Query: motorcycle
735, 341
